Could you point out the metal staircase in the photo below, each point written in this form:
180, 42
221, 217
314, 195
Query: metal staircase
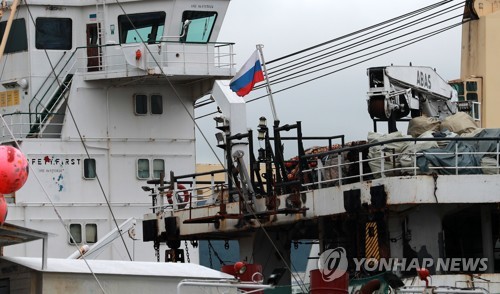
48, 118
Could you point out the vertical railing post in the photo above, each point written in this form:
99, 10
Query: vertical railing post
382, 166
319, 167
212, 188
360, 162
456, 158
193, 191
339, 167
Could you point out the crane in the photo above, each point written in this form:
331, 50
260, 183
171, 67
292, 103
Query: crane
396, 92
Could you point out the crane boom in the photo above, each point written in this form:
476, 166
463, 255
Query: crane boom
395, 92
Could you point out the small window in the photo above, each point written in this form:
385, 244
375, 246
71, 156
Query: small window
53, 33
89, 168
76, 231
471, 86
18, 40
459, 87
139, 27
156, 104
91, 233
143, 168
471, 96
200, 28
158, 167
141, 104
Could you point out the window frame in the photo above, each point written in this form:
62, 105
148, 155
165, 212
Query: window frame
138, 171
18, 26
77, 241
85, 160
193, 15
160, 104
146, 112
154, 170
87, 234
39, 44
83, 238
138, 21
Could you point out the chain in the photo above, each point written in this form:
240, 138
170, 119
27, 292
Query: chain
210, 257
187, 251
156, 247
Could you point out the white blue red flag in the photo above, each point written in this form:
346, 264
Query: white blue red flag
250, 74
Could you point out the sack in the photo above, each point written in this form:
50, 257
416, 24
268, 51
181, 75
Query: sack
421, 124
459, 123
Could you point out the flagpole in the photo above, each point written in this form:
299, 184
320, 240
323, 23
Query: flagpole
268, 87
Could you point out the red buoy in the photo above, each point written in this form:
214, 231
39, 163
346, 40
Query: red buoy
3, 210
13, 169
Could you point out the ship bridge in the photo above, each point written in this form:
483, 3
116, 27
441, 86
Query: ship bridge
56, 48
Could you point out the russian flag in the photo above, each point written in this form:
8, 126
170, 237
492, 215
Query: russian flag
250, 74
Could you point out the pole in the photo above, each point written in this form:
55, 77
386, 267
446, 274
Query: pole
6, 33
268, 87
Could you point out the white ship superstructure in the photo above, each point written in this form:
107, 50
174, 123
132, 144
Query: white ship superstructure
100, 97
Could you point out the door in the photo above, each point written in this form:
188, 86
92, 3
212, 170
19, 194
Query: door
94, 59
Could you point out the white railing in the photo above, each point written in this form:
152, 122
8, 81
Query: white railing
19, 124
171, 58
386, 162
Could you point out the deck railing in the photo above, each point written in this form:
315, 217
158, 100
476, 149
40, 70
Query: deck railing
386, 161
332, 168
165, 57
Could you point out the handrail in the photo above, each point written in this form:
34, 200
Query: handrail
316, 174
396, 140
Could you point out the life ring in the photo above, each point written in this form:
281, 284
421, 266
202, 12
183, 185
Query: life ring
184, 192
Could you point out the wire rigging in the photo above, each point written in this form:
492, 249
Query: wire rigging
314, 69
372, 50
359, 45
363, 41
359, 31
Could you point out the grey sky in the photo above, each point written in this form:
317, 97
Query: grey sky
335, 104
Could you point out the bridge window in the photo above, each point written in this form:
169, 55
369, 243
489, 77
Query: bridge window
141, 27
53, 33
201, 26
89, 168
18, 40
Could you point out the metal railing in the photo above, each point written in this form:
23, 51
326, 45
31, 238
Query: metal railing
385, 161
172, 57
187, 191
20, 125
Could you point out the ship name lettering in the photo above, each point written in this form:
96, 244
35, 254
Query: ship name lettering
202, 6
423, 80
